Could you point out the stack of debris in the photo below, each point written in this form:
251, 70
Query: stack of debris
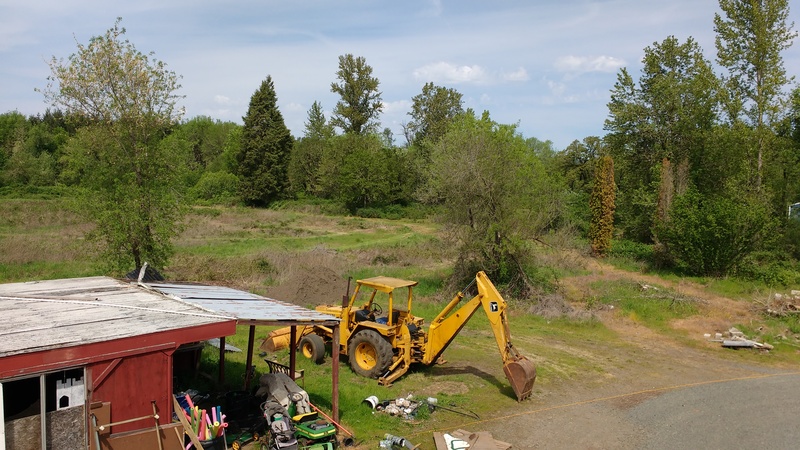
782, 305
737, 339
404, 407
462, 439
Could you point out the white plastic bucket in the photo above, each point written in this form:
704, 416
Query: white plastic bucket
372, 401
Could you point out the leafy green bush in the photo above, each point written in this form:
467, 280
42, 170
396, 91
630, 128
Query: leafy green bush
769, 268
394, 212
215, 187
629, 249
792, 240
711, 235
36, 192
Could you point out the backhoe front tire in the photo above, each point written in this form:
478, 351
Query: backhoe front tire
369, 353
313, 347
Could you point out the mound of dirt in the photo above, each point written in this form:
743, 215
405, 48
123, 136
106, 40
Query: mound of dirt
310, 287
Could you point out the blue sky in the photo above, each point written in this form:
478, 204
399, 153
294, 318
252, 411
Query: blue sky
547, 66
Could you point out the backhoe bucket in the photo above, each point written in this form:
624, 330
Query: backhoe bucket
521, 373
277, 340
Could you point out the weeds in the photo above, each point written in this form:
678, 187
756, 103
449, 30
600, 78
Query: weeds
305, 253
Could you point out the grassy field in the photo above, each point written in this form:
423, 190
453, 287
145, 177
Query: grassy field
299, 254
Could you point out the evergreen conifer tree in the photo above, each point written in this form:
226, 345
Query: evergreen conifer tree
263, 159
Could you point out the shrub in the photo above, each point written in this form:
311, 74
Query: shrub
215, 187
632, 250
711, 235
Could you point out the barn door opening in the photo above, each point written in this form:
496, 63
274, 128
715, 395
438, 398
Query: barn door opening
44, 412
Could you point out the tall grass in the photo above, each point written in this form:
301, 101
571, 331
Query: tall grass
308, 246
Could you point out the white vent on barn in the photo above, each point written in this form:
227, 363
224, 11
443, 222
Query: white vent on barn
69, 393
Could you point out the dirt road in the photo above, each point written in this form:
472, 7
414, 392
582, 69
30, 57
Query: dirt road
649, 391
700, 403
657, 393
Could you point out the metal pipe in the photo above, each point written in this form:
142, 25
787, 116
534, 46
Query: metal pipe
96, 432
332, 421
103, 427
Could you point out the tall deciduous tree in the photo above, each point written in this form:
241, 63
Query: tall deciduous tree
360, 101
750, 39
431, 113
667, 114
496, 197
130, 101
266, 143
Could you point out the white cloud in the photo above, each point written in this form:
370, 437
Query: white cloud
571, 63
222, 100
294, 106
400, 106
556, 88
434, 10
450, 73
518, 75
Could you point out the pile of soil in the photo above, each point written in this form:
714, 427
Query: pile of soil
310, 287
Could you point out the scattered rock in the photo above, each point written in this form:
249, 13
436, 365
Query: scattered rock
736, 339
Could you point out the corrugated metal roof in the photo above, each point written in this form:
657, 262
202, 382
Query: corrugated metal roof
51, 314
244, 306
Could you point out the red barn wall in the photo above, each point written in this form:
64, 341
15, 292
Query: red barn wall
130, 384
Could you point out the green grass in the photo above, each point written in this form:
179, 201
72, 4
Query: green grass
654, 307
254, 248
39, 270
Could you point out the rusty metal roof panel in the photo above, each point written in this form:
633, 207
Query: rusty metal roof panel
51, 314
244, 306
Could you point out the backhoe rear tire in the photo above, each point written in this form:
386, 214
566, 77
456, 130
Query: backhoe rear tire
313, 347
369, 353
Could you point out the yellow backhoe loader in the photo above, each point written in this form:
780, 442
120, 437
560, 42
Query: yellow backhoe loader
384, 345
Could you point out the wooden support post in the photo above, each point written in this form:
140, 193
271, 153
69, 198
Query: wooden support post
292, 348
3, 421
221, 376
335, 373
248, 367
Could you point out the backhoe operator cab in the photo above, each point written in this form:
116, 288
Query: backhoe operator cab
382, 300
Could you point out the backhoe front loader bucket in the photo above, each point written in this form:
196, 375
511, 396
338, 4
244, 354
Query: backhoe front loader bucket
277, 340
521, 374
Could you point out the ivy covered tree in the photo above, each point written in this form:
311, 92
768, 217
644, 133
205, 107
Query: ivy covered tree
131, 178
668, 113
266, 143
602, 205
360, 101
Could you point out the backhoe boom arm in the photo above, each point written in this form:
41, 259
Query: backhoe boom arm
446, 326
